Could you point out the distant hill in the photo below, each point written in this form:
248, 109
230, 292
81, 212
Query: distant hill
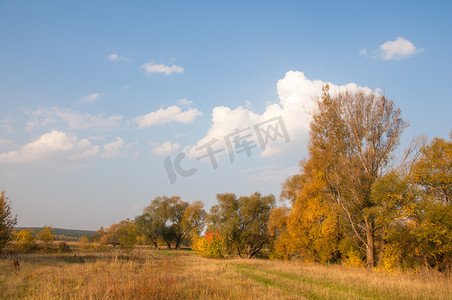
66, 232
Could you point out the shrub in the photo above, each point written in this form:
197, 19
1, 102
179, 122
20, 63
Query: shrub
63, 247
210, 246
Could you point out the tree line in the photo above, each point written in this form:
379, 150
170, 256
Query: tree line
354, 200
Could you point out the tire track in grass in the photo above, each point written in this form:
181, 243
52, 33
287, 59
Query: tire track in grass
248, 272
307, 280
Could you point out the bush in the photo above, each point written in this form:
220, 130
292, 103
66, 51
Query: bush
210, 246
63, 247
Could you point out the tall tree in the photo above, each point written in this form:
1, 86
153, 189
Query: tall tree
7, 220
242, 223
193, 222
432, 215
171, 220
353, 136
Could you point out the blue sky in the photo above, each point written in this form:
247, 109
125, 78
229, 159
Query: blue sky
96, 94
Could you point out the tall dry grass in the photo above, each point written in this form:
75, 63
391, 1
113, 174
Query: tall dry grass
153, 274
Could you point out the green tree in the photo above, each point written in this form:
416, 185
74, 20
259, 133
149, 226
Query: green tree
7, 220
126, 233
171, 220
242, 223
147, 227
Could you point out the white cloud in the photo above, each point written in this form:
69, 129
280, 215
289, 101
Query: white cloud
399, 49
296, 94
161, 68
72, 119
166, 115
363, 52
51, 146
112, 149
165, 149
184, 101
90, 98
116, 57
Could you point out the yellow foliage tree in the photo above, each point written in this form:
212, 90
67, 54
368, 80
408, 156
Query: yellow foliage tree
25, 239
45, 235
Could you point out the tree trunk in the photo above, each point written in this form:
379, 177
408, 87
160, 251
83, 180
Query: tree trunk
370, 245
178, 243
168, 245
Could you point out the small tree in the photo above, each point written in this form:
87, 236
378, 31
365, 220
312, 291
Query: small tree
25, 239
210, 246
7, 221
127, 234
45, 235
84, 243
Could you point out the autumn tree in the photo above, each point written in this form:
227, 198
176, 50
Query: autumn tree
126, 233
282, 243
25, 239
7, 220
242, 222
353, 136
171, 220
147, 227
193, 221
224, 218
83, 243
432, 215
45, 235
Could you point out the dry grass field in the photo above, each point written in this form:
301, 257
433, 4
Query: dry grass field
161, 274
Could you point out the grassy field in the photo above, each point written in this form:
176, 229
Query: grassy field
160, 274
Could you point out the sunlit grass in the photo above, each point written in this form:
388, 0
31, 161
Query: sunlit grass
163, 274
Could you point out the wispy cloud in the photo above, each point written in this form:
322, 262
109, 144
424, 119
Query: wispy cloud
151, 67
184, 101
116, 57
113, 149
72, 119
165, 148
167, 115
90, 98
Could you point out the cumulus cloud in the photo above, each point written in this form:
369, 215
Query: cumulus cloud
72, 119
165, 148
399, 49
51, 146
116, 57
296, 95
161, 68
90, 98
113, 149
166, 115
